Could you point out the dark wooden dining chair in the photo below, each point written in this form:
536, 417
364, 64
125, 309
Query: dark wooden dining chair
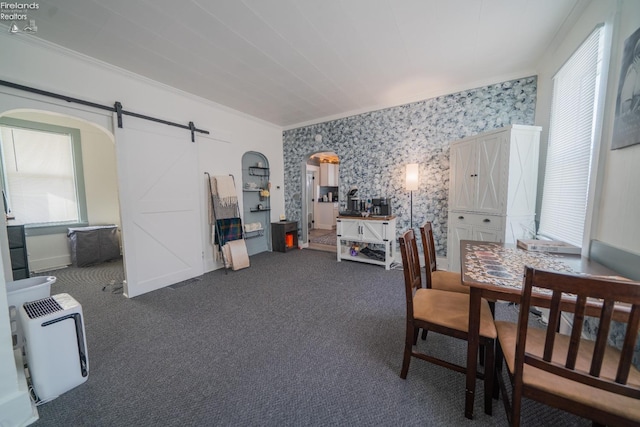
438, 279
441, 312
588, 378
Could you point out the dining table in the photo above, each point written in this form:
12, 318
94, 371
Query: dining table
495, 271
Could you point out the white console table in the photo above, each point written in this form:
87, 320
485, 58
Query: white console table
374, 233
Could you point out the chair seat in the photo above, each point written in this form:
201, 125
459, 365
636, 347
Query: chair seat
451, 310
562, 387
448, 281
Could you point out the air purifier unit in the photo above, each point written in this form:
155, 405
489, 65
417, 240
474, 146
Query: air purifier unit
55, 345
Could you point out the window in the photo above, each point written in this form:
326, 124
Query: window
42, 175
571, 143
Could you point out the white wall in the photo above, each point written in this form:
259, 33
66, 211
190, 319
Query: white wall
616, 194
47, 67
619, 205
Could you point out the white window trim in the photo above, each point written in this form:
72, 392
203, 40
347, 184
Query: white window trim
56, 228
598, 155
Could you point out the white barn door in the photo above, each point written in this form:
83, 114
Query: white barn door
159, 202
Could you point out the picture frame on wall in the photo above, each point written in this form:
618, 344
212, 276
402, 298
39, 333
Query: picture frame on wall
626, 126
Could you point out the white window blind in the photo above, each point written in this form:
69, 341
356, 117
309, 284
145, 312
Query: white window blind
571, 136
40, 176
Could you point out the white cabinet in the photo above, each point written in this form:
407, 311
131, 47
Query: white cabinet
373, 236
325, 215
476, 166
329, 173
493, 185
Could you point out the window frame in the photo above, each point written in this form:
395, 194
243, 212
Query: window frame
39, 229
596, 168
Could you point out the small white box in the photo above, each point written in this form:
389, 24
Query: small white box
554, 246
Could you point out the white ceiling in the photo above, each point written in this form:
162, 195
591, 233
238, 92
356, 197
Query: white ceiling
293, 62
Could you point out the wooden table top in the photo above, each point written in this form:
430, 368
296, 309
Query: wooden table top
498, 269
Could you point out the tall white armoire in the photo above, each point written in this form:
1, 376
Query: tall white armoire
492, 187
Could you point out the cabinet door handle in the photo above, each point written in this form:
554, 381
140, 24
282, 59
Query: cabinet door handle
460, 217
486, 220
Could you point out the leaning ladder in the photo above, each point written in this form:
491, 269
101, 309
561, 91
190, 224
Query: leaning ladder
215, 224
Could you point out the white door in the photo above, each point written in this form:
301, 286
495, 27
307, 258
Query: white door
492, 160
374, 231
160, 207
349, 229
463, 179
310, 199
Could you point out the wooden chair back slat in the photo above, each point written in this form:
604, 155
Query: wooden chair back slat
629, 344
426, 234
576, 332
412, 274
554, 324
601, 340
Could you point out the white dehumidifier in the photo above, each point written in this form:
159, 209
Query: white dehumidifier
55, 345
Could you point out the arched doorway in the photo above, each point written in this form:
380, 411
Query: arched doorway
320, 199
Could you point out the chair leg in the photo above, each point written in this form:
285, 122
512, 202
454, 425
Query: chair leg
424, 334
481, 354
499, 381
408, 345
416, 331
497, 370
489, 378
516, 404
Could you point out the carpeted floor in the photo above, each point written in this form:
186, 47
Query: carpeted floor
323, 237
297, 339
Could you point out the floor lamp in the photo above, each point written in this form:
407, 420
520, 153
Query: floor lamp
411, 183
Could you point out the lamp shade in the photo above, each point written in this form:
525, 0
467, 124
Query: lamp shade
412, 177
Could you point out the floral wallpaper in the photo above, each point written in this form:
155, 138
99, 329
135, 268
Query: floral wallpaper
374, 148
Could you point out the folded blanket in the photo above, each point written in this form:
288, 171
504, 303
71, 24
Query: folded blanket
223, 201
225, 188
230, 229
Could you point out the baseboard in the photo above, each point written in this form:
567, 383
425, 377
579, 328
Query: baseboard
52, 263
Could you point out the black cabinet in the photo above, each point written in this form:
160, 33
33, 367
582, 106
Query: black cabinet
18, 251
93, 245
284, 235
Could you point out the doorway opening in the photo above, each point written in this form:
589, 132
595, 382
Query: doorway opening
48, 247
321, 201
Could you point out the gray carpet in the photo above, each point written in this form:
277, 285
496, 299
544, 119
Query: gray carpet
297, 339
323, 237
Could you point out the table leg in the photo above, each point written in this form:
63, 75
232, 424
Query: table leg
472, 349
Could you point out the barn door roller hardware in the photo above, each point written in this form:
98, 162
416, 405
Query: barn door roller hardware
117, 108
